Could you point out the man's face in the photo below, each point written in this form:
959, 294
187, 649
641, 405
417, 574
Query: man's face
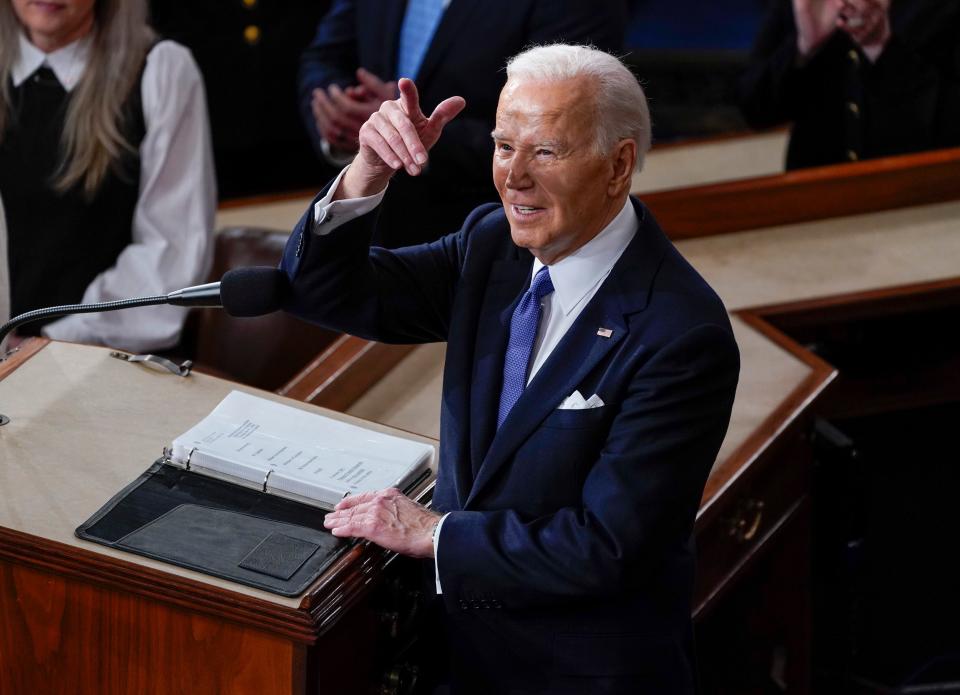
557, 191
52, 24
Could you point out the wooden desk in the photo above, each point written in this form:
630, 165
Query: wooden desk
83, 618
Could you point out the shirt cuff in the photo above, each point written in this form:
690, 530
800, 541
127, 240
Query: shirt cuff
328, 214
436, 545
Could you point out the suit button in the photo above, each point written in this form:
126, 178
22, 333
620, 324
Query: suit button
252, 34
853, 108
853, 56
852, 156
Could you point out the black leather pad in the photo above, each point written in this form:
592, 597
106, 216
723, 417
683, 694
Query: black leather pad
279, 555
217, 528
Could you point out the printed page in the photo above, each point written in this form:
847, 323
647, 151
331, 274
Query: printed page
304, 453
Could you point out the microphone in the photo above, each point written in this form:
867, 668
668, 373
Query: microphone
242, 292
253, 291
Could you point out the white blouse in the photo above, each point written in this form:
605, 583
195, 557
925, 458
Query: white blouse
173, 220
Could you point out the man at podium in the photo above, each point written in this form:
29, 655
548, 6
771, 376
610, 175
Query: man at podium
589, 379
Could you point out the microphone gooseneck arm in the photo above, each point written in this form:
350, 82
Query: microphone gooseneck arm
58, 311
199, 296
243, 292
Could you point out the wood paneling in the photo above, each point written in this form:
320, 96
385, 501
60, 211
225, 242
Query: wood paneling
808, 194
344, 372
58, 635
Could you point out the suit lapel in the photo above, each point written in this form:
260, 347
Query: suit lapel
508, 279
578, 352
450, 29
625, 291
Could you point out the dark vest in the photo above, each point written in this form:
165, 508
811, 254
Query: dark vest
58, 243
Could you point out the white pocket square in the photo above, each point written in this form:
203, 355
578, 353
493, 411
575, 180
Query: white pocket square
575, 402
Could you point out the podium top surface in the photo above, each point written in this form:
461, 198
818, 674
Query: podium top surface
84, 425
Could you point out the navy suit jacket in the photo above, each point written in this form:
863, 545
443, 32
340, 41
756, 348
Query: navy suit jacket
466, 57
566, 563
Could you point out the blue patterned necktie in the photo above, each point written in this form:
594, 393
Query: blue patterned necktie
523, 332
419, 24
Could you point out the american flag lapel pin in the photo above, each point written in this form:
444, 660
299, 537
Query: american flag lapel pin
605, 332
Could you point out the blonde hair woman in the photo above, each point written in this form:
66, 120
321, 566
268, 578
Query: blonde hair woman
106, 169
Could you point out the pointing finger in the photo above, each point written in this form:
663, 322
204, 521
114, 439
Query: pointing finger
445, 112
410, 100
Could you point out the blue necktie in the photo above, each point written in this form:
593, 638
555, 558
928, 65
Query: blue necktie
523, 332
419, 24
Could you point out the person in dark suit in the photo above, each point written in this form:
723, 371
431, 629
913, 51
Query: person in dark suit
858, 79
588, 385
248, 53
448, 47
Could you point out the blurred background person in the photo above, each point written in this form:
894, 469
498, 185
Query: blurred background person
248, 52
447, 47
857, 78
105, 167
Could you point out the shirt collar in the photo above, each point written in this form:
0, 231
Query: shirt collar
67, 63
574, 276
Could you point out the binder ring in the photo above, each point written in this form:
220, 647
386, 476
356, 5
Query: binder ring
189, 456
266, 478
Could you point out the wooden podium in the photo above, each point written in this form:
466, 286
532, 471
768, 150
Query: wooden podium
82, 618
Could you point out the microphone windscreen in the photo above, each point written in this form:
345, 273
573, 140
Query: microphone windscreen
253, 291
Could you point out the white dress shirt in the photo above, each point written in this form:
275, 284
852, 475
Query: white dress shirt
173, 220
575, 279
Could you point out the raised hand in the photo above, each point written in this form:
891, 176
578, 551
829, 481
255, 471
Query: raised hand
816, 20
867, 22
388, 518
397, 136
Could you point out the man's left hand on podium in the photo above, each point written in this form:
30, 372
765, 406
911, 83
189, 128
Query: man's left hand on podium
388, 518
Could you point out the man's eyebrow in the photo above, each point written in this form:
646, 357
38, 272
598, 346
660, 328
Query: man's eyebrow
553, 144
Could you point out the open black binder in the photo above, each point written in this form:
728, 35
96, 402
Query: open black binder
218, 528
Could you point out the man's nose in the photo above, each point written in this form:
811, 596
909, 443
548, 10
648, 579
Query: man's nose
518, 174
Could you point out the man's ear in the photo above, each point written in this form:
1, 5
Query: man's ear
624, 159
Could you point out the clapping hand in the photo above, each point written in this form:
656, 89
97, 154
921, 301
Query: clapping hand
816, 20
867, 22
339, 113
397, 136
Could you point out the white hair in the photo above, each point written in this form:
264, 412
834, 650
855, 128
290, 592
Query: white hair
620, 102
